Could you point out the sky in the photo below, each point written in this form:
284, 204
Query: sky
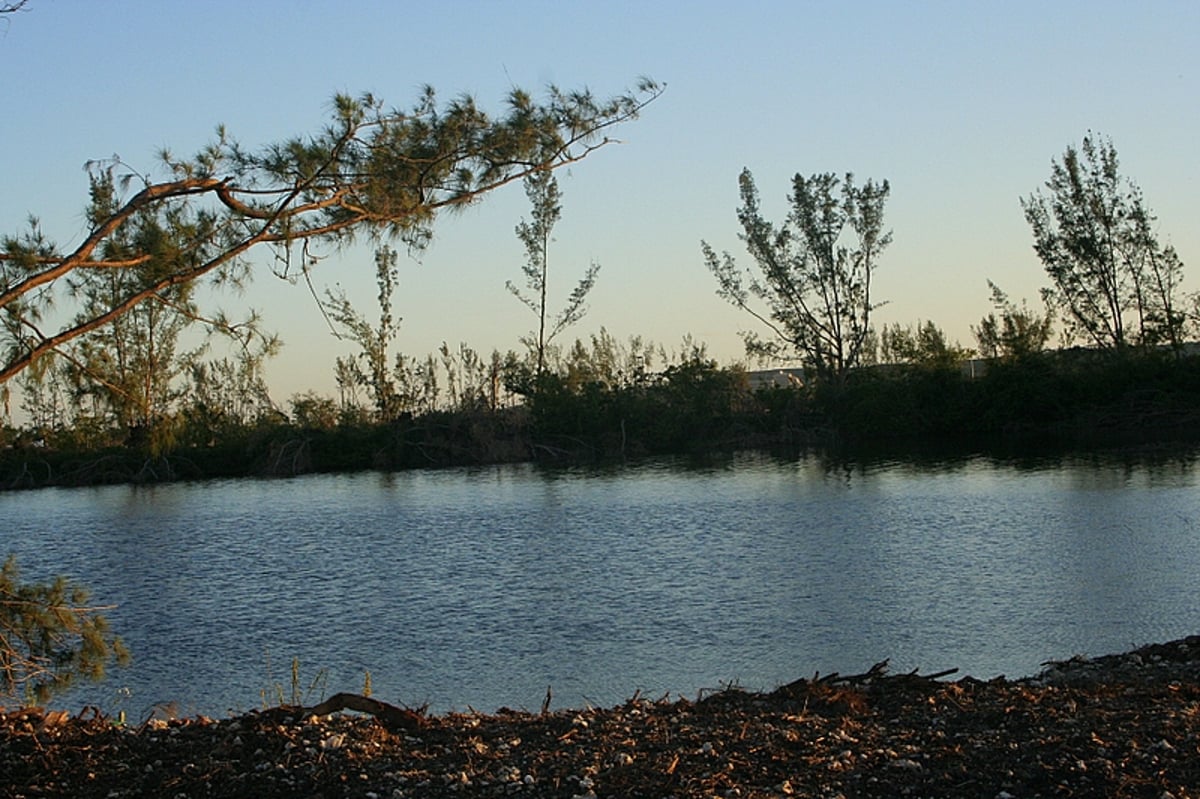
960, 105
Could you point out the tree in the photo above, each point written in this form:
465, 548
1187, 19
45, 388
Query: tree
371, 171
472, 381
225, 395
129, 367
50, 636
923, 345
1113, 282
1017, 333
373, 342
313, 412
542, 190
817, 290
129, 374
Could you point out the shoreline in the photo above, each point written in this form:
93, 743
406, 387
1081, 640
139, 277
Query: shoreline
1123, 724
20, 471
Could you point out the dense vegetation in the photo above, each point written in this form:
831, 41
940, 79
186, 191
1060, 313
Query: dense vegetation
692, 406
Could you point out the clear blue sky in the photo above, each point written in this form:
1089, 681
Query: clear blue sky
960, 105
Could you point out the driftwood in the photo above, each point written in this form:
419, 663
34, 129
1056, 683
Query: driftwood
392, 717
877, 674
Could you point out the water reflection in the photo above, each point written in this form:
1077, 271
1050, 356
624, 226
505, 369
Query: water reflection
480, 587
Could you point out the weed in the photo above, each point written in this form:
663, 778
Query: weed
274, 695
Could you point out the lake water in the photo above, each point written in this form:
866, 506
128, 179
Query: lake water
479, 588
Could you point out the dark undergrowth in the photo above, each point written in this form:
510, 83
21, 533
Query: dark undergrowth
1062, 399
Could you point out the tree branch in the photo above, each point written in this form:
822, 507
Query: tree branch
359, 175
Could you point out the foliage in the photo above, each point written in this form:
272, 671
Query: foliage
129, 365
601, 359
224, 396
1112, 280
127, 377
609, 399
369, 367
705, 402
417, 382
816, 290
605, 399
472, 382
605, 361
923, 345
50, 636
134, 392
1017, 333
313, 412
542, 190
371, 171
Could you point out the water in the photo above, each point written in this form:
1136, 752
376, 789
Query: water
479, 588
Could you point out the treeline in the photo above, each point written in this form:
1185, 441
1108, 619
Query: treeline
111, 351
1073, 396
596, 409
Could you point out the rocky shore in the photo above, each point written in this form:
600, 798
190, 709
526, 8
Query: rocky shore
1123, 725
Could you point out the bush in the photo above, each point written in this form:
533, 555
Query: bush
49, 636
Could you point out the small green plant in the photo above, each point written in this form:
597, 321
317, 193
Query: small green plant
50, 636
367, 684
276, 696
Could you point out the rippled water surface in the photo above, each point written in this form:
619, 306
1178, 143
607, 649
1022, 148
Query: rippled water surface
480, 588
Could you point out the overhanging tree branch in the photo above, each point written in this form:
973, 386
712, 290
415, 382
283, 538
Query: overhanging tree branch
80, 257
372, 172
